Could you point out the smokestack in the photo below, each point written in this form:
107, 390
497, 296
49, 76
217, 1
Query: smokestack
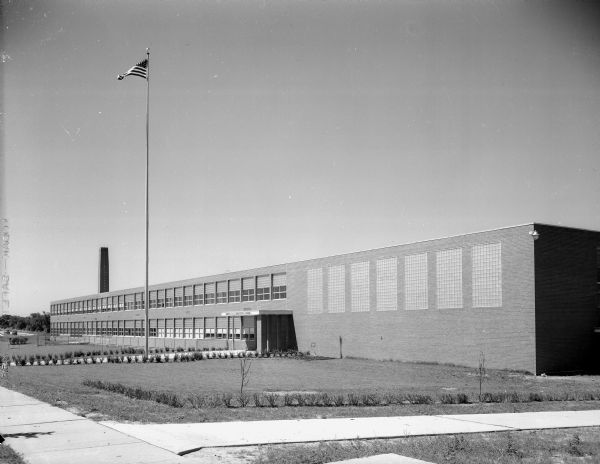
103, 271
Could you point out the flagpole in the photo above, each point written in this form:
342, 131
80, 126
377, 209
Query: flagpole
146, 293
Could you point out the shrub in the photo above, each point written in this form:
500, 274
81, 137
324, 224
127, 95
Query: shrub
370, 399
339, 400
18, 341
227, 399
243, 400
353, 399
257, 397
271, 399
288, 400
196, 401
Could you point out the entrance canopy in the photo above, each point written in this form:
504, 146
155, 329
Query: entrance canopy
259, 312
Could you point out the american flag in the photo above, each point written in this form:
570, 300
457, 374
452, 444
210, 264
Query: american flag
140, 70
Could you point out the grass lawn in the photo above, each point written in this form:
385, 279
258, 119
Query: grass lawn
62, 385
8, 456
578, 445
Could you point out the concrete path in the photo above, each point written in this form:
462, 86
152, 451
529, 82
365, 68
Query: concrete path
186, 438
45, 434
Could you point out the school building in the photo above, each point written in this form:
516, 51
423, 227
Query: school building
527, 296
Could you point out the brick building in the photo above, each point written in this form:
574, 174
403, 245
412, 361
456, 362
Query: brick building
526, 296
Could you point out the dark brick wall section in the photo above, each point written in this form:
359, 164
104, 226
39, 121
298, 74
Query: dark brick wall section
566, 292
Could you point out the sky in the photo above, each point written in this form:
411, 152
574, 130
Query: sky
287, 130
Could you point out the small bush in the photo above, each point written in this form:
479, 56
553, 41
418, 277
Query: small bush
18, 341
353, 399
257, 397
271, 400
243, 400
227, 400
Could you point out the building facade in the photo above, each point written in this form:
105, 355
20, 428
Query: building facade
525, 296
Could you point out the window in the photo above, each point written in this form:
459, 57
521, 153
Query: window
188, 332
179, 296
314, 287
210, 333
279, 286
387, 284
221, 292
359, 281
263, 288
237, 333
209, 296
248, 333
415, 282
336, 286
152, 300
199, 294
449, 279
188, 296
487, 275
168, 298
178, 332
248, 289
153, 332
160, 300
169, 332
235, 293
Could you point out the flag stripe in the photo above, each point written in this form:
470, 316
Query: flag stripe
140, 70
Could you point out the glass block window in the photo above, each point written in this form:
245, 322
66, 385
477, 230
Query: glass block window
336, 285
248, 289
359, 282
263, 287
209, 293
199, 294
279, 286
314, 278
415, 281
387, 284
235, 292
449, 279
487, 275
221, 292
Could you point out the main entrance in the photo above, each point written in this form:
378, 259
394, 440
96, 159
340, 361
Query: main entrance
274, 329
275, 333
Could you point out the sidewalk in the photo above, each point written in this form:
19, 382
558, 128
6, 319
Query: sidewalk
45, 434
186, 438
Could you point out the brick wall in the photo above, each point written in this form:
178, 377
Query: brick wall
505, 334
566, 293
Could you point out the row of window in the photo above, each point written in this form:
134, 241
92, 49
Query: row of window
259, 288
486, 282
193, 328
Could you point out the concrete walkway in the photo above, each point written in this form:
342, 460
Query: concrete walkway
45, 434
186, 438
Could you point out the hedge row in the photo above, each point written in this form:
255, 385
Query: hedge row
274, 400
